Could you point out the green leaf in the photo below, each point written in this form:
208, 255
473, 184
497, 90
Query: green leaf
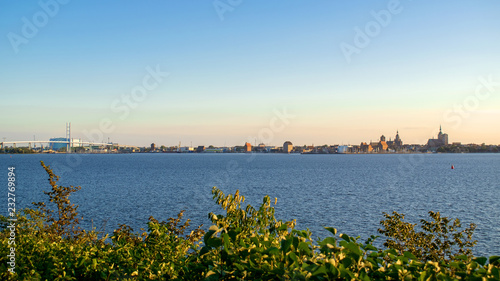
255, 240
455, 264
481, 260
320, 271
285, 244
304, 247
227, 243
278, 271
422, 276
207, 236
332, 230
333, 270
214, 242
391, 252
293, 256
328, 240
233, 234
301, 233
409, 255
495, 260
239, 267
351, 246
345, 237
295, 242
370, 247
496, 273
273, 251
346, 274
282, 227
346, 262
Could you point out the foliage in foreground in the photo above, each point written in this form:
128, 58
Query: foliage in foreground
440, 238
243, 243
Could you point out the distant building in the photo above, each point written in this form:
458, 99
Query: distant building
260, 148
397, 141
200, 148
396, 144
153, 147
186, 149
248, 147
57, 143
342, 149
287, 147
364, 147
270, 148
441, 140
214, 150
382, 145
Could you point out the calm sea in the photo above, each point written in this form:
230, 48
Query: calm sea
348, 192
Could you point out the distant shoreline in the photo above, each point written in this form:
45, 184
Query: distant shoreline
264, 153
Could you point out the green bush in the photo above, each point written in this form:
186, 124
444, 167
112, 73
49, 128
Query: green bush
440, 239
242, 243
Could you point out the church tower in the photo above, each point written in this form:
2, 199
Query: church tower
397, 141
443, 138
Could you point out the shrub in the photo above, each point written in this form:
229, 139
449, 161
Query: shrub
440, 239
63, 220
243, 243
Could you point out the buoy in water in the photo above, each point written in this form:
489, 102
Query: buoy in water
452, 167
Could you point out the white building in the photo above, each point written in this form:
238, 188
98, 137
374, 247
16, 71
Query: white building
187, 149
342, 149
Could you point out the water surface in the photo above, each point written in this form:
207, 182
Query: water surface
348, 192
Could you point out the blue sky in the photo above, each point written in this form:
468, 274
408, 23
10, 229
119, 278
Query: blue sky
233, 73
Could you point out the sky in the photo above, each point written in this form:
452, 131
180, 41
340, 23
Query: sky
226, 72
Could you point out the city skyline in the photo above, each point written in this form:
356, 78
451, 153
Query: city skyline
441, 140
225, 74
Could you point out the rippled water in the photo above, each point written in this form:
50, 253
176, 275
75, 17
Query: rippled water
348, 192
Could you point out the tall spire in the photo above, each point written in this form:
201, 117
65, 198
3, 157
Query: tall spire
440, 129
